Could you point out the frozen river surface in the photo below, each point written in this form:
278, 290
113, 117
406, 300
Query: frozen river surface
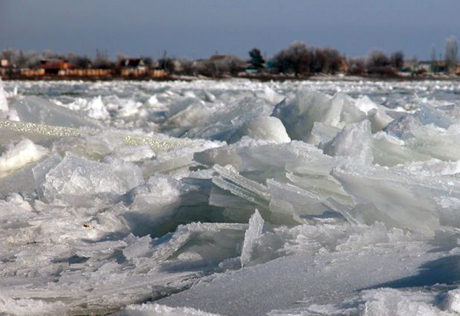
230, 198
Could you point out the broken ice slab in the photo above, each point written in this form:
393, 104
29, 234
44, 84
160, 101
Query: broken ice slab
74, 180
12, 130
251, 236
226, 121
190, 246
38, 133
309, 107
3, 102
323, 132
298, 115
290, 199
160, 310
397, 200
436, 142
240, 186
427, 116
376, 114
154, 203
261, 157
109, 274
323, 187
177, 160
19, 155
390, 151
354, 141
21, 181
265, 128
41, 111
304, 279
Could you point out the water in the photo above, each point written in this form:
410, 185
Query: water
230, 197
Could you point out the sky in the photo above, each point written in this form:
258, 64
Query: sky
200, 28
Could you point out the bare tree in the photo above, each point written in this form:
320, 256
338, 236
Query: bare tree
102, 60
397, 59
78, 61
296, 58
451, 52
229, 65
356, 66
379, 63
377, 59
8, 54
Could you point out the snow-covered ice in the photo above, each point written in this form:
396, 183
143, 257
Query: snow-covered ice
229, 198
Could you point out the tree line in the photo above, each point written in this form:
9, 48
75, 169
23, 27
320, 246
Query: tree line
297, 60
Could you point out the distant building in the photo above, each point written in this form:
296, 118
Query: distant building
432, 66
4, 63
53, 66
132, 63
132, 67
424, 65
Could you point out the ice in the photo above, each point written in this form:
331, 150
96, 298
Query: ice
390, 151
365, 104
452, 303
308, 107
345, 143
393, 302
323, 132
381, 195
41, 111
155, 202
290, 199
266, 128
256, 225
20, 155
31, 307
3, 102
322, 278
134, 197
75, 178
160, 310
44, 133
94, 108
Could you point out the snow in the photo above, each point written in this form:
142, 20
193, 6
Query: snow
230, 198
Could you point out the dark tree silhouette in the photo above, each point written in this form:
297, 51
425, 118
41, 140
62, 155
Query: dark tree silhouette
397, 59
257, 61
296, 58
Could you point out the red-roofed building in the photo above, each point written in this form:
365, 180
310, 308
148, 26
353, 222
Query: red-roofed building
53, 66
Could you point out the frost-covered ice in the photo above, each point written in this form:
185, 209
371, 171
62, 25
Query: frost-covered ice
230, 198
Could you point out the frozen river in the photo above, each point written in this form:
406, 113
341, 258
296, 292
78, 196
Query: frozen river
230, 198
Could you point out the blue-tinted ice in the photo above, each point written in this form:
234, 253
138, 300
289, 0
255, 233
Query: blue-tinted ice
229, 198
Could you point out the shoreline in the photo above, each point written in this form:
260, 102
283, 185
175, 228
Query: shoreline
251, 78
350, 78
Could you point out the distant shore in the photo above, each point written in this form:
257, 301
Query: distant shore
262, 78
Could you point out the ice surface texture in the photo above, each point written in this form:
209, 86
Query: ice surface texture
229, 198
